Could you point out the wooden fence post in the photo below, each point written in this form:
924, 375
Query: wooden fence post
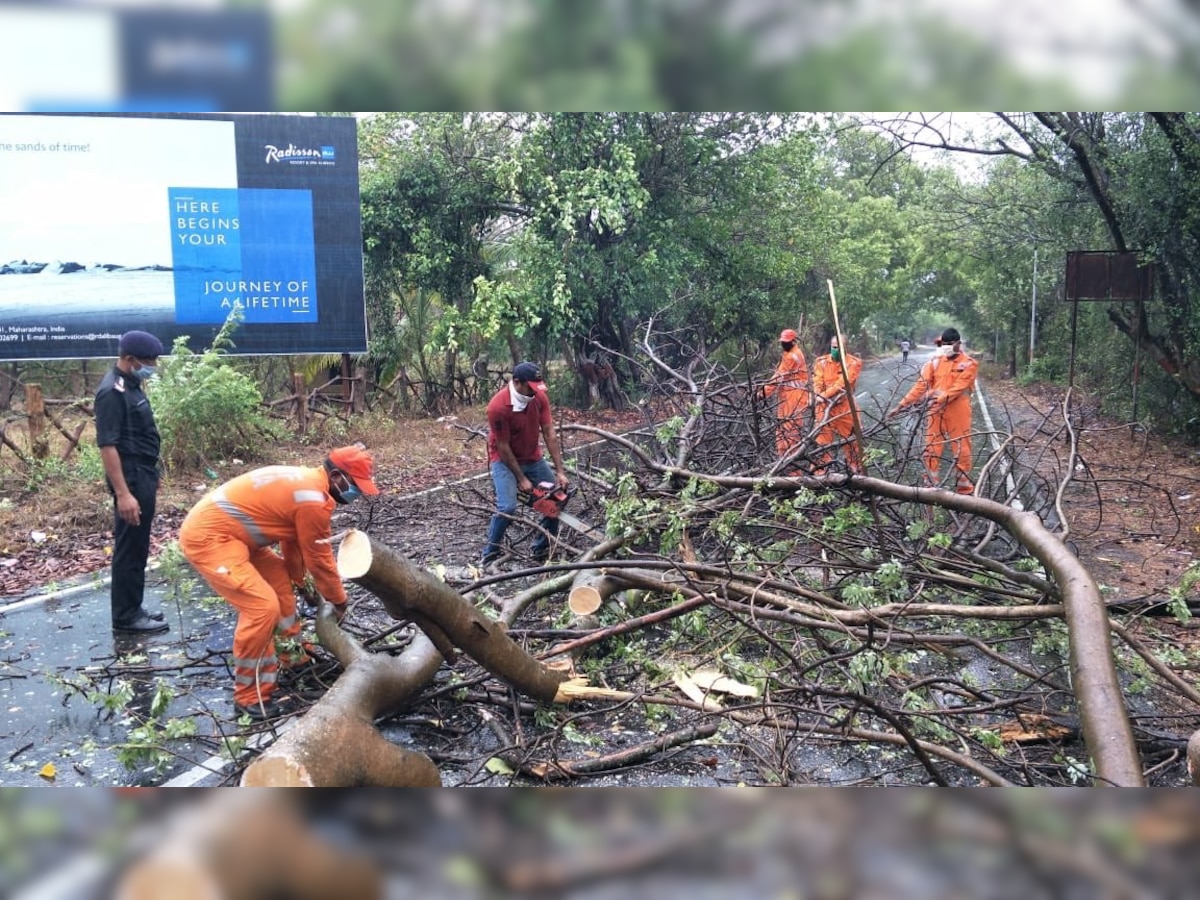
35, 408
301, 402
358, 401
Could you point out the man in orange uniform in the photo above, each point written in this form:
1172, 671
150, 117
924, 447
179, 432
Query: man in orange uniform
944, 385
833, 420
790, 382
230, 537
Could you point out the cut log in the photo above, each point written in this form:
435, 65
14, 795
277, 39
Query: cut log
242, 845
589, 591
408, 591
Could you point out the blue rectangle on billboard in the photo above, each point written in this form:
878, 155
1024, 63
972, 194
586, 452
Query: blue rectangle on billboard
165, 222
249, 248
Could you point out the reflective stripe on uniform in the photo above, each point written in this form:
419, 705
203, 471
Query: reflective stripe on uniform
308, 496
234, 512
251, 664
263, 677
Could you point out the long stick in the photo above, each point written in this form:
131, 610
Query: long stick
858, 433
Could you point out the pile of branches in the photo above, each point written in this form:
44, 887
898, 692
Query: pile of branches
748, 627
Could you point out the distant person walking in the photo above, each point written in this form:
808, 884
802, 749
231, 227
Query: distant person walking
129, 448
229, 537
944, 387
789, 385
833, 420
905, 346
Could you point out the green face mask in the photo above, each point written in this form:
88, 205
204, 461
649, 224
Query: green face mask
835, 354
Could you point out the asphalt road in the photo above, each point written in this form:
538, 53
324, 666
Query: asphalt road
57, 647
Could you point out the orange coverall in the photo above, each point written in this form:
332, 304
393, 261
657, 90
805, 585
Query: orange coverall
947, 383
790, 381
829, 386
229, 538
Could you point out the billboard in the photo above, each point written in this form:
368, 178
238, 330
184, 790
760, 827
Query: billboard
164, 222
107, 56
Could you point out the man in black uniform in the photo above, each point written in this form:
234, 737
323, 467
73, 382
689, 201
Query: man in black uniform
129, 444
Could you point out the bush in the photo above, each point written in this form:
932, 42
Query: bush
205, 409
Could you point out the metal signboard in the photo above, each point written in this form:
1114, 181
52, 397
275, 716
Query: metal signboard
1107, 275
165, 222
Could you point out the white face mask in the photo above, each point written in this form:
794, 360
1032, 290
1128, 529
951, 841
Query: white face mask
947, 350
519, 400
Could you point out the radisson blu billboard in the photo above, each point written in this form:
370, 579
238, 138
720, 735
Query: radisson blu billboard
165, 222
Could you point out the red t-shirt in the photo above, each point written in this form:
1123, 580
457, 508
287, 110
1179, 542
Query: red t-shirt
521, 429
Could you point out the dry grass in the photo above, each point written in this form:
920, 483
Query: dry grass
56, 515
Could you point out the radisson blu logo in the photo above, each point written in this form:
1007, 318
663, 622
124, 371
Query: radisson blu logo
300, 156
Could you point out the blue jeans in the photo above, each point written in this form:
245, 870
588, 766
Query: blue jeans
505, 483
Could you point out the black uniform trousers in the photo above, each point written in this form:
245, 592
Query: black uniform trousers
131, 543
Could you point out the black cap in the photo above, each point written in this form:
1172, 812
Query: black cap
950, 336
141, 344
527, 371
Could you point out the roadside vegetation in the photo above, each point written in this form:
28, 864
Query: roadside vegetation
647, 261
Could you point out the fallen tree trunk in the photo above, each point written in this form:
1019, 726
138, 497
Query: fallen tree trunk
245, 846
336, 743
410, 592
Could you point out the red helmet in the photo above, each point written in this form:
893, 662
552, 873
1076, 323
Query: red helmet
788, 336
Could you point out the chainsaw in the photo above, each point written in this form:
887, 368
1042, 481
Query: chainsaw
549, 499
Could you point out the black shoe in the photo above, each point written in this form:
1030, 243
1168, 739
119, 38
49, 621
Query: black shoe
143, 624
157, 615
488, 558
273, 708
541, 557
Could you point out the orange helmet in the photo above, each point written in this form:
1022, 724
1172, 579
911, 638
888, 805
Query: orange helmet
788, 336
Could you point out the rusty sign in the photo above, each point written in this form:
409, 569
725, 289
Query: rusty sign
1108, 275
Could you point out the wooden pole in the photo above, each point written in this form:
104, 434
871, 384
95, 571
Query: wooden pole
858, 434
301, 394
35, 408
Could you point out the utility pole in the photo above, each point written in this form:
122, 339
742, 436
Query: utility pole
1033, 313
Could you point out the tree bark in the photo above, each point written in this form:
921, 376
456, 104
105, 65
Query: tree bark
410, 592
246, 846
336, 743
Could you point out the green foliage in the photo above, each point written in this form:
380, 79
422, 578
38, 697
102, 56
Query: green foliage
940, 541
1051, 638
846, 518
868, 668
205, 408
1179, 593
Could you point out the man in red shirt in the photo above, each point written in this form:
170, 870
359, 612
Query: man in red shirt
516, 415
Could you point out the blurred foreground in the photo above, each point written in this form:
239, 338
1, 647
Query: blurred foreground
193, 55
899, 843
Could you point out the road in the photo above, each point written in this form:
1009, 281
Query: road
56, 647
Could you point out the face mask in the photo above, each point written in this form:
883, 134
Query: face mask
835, 354
345, 495
947, 350
145, 372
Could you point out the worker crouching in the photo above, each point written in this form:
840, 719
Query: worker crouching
230, 537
